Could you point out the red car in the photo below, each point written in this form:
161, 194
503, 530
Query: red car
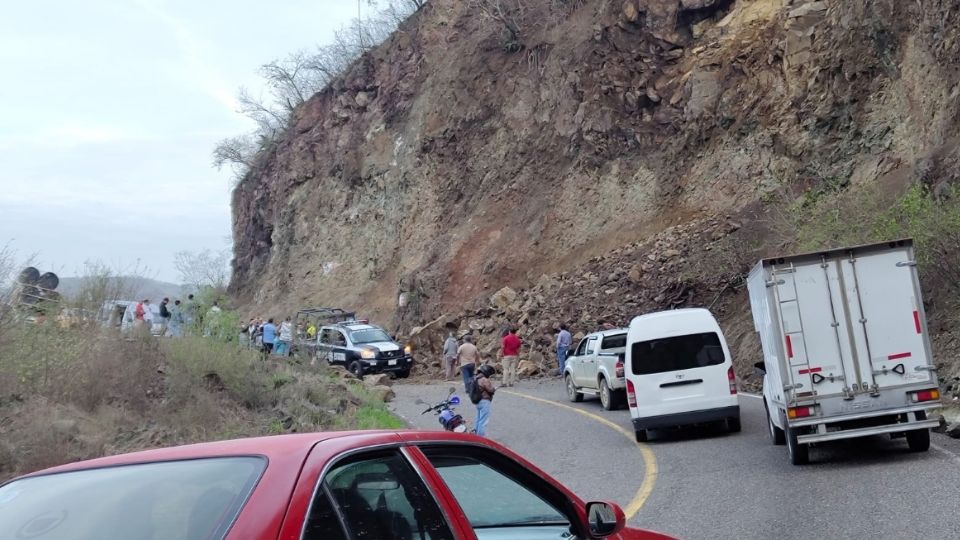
409, 485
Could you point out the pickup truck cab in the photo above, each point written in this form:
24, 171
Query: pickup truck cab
363, 348
595, 367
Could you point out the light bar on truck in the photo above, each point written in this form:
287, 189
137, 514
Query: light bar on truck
925, 395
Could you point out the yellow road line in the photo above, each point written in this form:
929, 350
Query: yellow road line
649, 459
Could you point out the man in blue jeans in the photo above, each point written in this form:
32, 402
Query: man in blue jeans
486, 397
564, 340
469, 358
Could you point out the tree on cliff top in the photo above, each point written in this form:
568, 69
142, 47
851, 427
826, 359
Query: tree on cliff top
289, 82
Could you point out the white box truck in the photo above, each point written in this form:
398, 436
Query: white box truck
846, 351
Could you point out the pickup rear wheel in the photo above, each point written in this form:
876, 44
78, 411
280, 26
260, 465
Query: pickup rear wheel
572, 393
606, 395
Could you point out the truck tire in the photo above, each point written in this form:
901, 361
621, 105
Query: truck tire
403, 374
607, 399
776, 434
641, 435
919, 439
799, 453
733, 424
572, 393
356, 368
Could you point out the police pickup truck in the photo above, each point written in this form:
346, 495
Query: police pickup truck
362, 348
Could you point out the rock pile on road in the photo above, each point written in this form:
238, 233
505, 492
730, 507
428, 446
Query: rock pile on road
663, 272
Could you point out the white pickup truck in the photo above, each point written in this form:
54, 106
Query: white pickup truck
846, 351
596, 367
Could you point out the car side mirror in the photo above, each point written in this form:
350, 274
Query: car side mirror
760, 368
605, 519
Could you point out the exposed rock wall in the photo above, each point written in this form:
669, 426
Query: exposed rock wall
445, 165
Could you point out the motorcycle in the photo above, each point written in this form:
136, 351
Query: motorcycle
448, 418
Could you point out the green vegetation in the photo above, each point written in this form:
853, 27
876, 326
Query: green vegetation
81, 391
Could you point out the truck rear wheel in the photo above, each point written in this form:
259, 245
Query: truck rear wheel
776, 434
799, 453
918, 440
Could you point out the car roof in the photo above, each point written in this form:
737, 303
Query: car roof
276, 448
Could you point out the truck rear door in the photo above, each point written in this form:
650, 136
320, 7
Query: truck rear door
852, 324
886, 311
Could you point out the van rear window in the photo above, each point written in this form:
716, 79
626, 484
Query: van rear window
676, 353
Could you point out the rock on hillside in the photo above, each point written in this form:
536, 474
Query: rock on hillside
451, 162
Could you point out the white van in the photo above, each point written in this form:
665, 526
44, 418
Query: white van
679, 372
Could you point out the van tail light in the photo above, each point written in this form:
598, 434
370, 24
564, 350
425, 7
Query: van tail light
619, 368
732, 378
631, 394
925, 395
799, 412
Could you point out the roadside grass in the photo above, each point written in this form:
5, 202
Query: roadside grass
80, 392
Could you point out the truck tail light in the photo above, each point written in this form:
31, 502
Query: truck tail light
631, 394
925, 395
619, 367
799, 412
732, 378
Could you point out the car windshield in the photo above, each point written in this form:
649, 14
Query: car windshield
179, 499
676, 353
493, 500
368, 335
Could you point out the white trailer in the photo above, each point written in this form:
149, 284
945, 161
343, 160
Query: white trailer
846, 352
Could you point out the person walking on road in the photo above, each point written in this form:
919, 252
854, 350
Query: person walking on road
450, 356
487, 390
511, 356
564, 340
468, 356
269, 332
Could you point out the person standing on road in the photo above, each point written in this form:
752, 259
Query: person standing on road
468, 356
147, 316
511, 356
564, 340
286, 337
450, 356
139, 312
269, 332
164, 316
486, 397
176, 320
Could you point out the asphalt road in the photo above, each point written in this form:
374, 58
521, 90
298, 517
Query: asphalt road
707, 484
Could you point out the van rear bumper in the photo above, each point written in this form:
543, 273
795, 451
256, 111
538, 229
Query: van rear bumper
687, 418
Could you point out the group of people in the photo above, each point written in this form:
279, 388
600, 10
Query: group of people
173, 318
465, 355
266, 337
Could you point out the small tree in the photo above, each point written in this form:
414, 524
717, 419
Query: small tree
203, 269
508, 13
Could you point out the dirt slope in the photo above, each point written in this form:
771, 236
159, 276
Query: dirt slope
452, 161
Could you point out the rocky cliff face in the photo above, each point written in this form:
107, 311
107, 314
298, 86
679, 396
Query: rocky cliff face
450, 162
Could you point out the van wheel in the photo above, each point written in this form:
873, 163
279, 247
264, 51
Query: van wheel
733, 424
799, 453
776, 434
572, 393
606, 395
641, 435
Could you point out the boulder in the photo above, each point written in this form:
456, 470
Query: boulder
378, 379
954, 431
503, 298
382, 393
526, 368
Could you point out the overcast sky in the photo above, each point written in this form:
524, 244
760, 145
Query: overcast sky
109, 110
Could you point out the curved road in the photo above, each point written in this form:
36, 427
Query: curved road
707, 484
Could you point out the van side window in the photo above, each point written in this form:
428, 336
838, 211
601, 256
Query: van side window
677, 353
